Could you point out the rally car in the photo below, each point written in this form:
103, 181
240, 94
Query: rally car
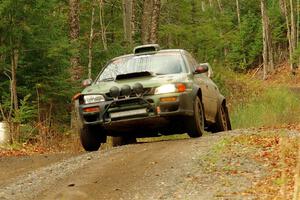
149, 93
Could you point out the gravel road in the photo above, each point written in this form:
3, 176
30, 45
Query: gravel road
156, 170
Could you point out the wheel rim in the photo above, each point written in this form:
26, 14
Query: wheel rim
224, 119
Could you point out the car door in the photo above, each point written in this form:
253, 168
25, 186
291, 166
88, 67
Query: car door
213, 96
209, 99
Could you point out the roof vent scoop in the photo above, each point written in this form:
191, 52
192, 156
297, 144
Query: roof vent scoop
149, 48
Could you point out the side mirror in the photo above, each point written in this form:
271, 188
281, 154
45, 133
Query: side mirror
87, 82
201, 69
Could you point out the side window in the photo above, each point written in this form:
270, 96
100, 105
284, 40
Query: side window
191, 61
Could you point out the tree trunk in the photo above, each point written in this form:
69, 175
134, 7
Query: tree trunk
112, 35
102, 25
203, 6
15, 126
293, 33
293, 26
210, 3
282, 6
297, 27
14, 65
267, 43
265, 48
133, 18
91, 43
287, 21
220, 6
238, 12
297, 22
146, 21
128, 13
155, 22
74, 23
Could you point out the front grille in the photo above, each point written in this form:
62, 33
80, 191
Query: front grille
130, 102
123, 105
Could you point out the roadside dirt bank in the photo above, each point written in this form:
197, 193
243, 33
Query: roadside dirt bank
12, 167
177, 169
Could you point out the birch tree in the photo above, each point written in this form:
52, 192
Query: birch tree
102, 25
74, 23
90, 57
238, 13
293, 31
288, 11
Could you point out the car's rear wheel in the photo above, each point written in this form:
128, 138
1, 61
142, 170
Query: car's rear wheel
222, 120
90, 138
196, 124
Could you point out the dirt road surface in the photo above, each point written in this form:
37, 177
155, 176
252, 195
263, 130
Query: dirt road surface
155, 170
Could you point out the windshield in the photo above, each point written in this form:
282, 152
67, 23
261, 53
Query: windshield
159, 64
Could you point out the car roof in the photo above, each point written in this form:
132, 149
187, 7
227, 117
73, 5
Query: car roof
150, 53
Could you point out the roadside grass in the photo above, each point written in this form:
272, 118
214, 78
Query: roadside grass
273, 107
238, 88
256, 103
266, 160
164, 138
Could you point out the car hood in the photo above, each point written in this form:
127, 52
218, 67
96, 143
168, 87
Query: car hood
147, 82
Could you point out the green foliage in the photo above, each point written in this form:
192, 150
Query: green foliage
246, 43
39, 30
26, 112
275, 106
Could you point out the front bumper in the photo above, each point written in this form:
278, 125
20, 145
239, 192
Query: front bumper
148, 110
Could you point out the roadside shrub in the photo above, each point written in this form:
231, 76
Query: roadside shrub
273, 107
238, 88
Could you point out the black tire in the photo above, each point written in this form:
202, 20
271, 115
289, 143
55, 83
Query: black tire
196, 124
222, 120
90, 138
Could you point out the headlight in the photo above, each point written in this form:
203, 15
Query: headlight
88, 99
169, 88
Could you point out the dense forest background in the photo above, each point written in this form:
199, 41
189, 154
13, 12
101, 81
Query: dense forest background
48, 47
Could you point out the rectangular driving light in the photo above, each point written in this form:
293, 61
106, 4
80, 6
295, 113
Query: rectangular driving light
91, 110
168, 99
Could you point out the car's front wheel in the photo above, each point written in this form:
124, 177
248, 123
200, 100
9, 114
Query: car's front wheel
196, 124
90, 138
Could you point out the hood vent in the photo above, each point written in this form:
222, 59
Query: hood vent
133, 75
